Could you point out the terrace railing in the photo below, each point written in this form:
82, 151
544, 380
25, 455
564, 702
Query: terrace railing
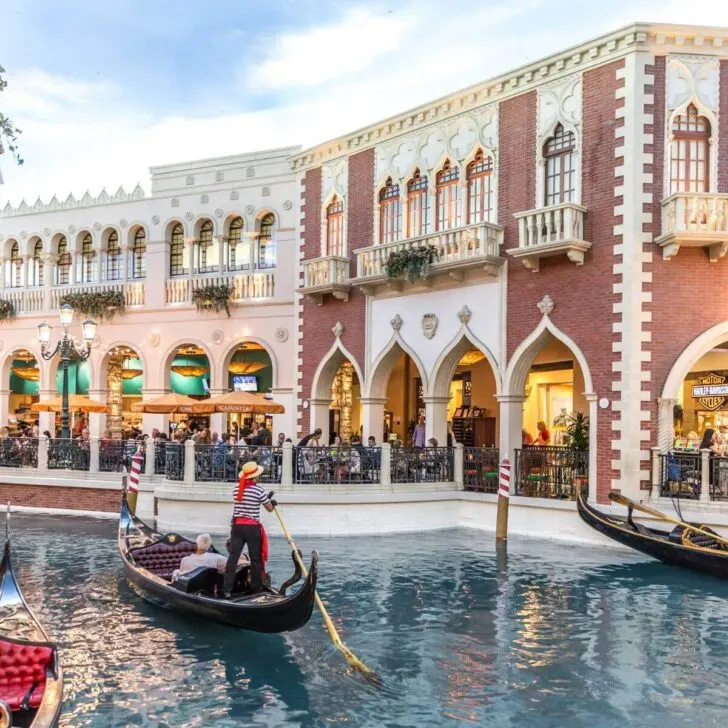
550, 472
480, 469
18, 452
64, 454
337, 465
422, 465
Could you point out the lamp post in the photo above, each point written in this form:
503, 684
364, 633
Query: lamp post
65, 348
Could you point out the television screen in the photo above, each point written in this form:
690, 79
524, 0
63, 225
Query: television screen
245, 383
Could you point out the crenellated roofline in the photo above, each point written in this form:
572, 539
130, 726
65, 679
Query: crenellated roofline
656, 38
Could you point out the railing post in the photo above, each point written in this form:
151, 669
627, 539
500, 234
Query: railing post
656, 470
94, 455
705, 475
385, 468
150, 456
189, 473
459, 466
42, 453
287, 464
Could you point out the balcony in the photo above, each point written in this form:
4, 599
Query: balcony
38, 299
550, 231
328, 275
246, 286
694, 220
473, 250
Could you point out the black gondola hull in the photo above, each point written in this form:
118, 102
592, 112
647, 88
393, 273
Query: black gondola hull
655, 543
267, 613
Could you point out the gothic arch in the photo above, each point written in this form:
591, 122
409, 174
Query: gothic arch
327, 368
382, 367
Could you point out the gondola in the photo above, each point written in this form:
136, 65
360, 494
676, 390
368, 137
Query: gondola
31, 678
679, 547
149, 559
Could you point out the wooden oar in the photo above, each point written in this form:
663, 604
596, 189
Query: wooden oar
624, 501
350, 657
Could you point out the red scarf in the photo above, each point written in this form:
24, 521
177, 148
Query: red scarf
243, 483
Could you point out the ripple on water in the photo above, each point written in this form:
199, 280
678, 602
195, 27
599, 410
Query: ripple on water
548, 636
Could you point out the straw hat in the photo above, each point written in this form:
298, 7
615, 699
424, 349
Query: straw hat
251, 470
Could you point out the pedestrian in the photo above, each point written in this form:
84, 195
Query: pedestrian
248, 497
418, 434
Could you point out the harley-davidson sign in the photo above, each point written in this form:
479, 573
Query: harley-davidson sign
712, 391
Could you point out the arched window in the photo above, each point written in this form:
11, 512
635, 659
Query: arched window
390, 213
16, 267
63, 268
238, 257
335, 227
36, 272
139, 254
690, 152
202, 248
113, 257
417, 205
267, 243
558, 151
87, 259
480, 189
177, 251
447, 187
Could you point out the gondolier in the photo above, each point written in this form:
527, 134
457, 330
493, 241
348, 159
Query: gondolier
248, 497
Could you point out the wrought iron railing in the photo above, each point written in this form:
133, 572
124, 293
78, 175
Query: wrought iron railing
18, 452
174, 461
337, 465
65, 454
680, 474
223, 463
550, 472
115, 455
480, 469
422, 464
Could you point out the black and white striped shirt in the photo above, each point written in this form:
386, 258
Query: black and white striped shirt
253, 498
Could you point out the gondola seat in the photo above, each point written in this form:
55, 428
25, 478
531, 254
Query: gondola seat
201, 579
162, 558
23, 668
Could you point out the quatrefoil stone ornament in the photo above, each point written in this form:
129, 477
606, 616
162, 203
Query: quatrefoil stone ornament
546, 305
338, 329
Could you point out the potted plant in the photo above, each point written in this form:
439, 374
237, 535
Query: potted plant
7, 310
99, 305
411, 263
213, 298
677, 417
577, 430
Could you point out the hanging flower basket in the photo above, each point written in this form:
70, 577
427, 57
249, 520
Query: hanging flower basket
7, 310
213, 298
99, 305
411, 263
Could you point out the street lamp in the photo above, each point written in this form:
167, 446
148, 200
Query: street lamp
66, 347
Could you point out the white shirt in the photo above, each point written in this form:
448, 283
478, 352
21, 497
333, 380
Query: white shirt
210, 560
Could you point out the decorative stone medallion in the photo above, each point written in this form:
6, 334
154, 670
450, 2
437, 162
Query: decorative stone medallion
175, 202
281, 334
204, 199
46, 231
287, 205
154, 339
123, 223
234, 195
250, 209
396, 322
155, 219
338, 329
429, 325
189, 216
265, 192
71, 229
97, 226
219, 212
545, 305
218, 336
464, 315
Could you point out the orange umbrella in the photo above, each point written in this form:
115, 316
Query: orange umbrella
245, 402
173, 403
76, 403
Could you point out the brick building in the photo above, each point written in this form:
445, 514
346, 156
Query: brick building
575, 217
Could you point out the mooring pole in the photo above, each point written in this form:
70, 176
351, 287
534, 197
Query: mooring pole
504, 492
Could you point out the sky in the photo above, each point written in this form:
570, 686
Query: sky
104, 90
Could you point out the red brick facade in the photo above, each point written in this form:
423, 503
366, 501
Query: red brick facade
723, 140
319, 320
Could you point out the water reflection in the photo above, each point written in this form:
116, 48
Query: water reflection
543, 635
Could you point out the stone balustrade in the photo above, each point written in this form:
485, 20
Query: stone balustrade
246, 286
694, 220
550, 231
329, 274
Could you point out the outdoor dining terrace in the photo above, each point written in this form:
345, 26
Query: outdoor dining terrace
541, 472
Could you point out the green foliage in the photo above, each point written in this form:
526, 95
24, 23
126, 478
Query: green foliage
8, 130
98, 305
577, 430
677, 413
213, 298
412, 263
7, 310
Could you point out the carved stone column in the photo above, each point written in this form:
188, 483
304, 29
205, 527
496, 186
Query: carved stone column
665, 432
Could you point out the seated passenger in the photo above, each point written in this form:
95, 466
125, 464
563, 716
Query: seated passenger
203, 557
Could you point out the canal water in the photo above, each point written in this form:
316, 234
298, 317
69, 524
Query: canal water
553, 635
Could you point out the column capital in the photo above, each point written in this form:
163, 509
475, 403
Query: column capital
511, 398
436, 399
373, 401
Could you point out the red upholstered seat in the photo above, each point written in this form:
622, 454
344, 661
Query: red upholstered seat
162, 558
23, 665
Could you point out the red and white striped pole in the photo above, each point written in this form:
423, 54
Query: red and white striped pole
504, 492
136, 469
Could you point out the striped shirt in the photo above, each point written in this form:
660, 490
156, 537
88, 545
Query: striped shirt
253, 497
